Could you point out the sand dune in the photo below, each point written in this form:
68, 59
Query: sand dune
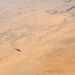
37, 37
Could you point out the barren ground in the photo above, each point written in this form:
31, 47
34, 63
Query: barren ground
37, 37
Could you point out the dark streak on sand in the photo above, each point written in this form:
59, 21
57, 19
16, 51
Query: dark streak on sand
18, 49
68, 0
71, 8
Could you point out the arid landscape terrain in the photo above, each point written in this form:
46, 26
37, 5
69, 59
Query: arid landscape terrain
37, 37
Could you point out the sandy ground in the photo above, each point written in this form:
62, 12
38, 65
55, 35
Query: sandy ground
37, 37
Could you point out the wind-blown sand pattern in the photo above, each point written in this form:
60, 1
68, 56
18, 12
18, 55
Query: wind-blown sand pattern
37, 37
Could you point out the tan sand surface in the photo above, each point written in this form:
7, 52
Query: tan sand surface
37, 37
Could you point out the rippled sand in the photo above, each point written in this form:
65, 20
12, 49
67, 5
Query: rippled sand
37, 37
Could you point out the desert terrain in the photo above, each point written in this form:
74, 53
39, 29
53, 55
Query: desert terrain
37, 37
